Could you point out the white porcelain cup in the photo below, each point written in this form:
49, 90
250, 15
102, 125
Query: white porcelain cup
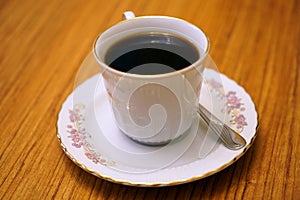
153, 109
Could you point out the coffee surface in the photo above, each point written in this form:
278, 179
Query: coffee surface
151, 53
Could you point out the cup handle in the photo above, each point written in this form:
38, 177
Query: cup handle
128, 15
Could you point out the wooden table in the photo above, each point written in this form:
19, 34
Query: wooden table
43, 43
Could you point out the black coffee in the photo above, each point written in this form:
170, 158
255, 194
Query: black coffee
151, 53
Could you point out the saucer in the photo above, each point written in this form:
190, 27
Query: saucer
89, 136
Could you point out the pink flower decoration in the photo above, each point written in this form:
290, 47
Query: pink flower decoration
240, 119
78, 135
214, 84
234, 104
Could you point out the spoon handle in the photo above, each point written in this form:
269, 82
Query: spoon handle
230, 138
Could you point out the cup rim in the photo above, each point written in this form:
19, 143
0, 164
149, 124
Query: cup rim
151, 76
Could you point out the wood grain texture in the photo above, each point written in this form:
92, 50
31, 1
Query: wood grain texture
256, 43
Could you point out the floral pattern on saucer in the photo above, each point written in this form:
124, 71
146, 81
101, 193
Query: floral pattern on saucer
234, 105
79, 136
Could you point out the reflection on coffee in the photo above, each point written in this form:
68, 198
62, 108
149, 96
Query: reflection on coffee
151, 53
